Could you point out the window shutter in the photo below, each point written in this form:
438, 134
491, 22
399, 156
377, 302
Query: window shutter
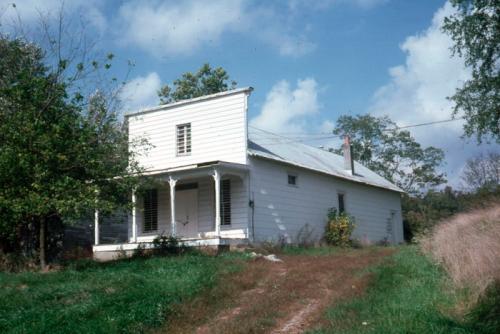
150, 210
225, 202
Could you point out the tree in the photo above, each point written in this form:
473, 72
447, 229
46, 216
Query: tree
482, 172
61, 155
475, 30
392, 153
205, 81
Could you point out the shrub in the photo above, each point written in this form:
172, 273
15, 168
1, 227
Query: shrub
338, 228
168, 245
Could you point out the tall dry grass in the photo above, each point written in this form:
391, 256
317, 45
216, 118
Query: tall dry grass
468, 246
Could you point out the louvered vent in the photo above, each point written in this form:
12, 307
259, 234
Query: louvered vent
225, 202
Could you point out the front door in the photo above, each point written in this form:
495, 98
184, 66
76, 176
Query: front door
186, 213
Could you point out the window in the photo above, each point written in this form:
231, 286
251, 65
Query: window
341, 199
184, 139
225, 202
292, 180
150, 210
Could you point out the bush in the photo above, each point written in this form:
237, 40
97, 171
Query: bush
338, 228
168, 245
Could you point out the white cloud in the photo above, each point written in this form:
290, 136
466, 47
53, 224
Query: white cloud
417, 92
141, 92
177, 28
287, 110
28, 12
170, 28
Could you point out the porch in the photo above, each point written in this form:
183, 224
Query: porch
202, 205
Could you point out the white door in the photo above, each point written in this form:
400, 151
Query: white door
186, 213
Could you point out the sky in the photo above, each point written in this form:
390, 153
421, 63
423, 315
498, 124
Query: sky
308, 61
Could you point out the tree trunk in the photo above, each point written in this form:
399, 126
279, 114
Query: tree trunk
43, 243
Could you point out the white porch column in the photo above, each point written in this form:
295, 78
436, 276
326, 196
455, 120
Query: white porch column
134, 216
96, 227
172, 183
216, 177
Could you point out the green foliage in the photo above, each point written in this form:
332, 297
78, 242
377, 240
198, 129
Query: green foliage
168, 244
60, 156
485, 315
475, 31
407, 294
127, 296
392, 153
204, 82
424, 211
338, 228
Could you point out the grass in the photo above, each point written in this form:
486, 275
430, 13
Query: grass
126, 296
407, 294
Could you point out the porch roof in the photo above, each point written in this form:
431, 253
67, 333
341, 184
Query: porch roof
200, 169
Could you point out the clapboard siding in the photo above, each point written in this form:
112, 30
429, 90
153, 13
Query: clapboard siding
281, 210
218, 132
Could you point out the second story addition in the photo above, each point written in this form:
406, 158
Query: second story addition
196, 131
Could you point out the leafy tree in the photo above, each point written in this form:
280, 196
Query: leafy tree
475, 30
190, 85
60, 155
392, 153
482, 171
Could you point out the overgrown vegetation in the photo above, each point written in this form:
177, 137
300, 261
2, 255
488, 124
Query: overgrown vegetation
339, 228
422, 212
408, 294
126, 296
468, 247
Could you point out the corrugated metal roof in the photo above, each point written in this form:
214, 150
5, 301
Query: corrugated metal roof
271, 146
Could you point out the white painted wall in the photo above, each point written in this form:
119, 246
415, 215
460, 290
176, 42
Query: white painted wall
218, 131
283, 210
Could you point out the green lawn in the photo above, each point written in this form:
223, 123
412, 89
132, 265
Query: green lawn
407, 294
126, 296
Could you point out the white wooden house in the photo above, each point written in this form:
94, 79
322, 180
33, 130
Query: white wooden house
222, 181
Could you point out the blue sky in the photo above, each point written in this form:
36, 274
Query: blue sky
309, 61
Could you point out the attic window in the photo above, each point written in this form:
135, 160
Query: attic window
184, 139
150, 210
292, 180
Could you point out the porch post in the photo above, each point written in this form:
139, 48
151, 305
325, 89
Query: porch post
96, 227
172, 183
134, 216
216, 177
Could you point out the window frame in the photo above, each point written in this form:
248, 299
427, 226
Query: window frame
295, 176
187, 140
344, 206
148, 194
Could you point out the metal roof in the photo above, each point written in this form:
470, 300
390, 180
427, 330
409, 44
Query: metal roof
267, 145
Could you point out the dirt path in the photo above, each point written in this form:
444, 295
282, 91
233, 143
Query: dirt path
281, 297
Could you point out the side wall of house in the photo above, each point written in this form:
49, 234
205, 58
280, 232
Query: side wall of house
282, 211
218, 132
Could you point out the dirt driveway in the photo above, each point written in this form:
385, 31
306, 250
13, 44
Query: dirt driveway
277, 297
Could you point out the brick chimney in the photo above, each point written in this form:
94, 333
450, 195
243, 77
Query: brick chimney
348, 161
